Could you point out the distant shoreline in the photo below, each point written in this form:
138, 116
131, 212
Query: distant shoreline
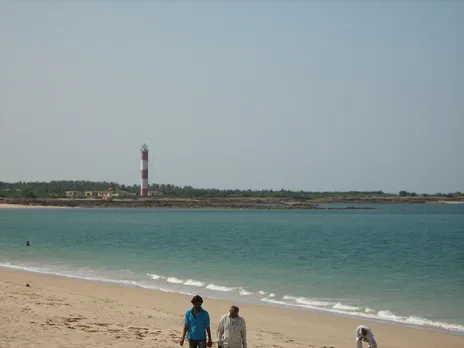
352, 203
182, 203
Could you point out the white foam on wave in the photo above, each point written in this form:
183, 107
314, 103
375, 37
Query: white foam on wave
174, 280
270, 300
369, 313
386, 315
154, 276
425, 322
218, 288
43, 270
271, 295
345, 307
308, 302
192, 282
243, 292
262, 293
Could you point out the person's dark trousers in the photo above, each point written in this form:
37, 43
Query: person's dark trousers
197, 344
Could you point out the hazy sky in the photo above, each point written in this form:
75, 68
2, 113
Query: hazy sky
299, 95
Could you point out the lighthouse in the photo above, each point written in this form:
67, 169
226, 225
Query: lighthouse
144, 171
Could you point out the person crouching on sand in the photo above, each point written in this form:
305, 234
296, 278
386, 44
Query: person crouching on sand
363, 333
231, 330
196, 325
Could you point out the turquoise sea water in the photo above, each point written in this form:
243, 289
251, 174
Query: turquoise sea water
403, 263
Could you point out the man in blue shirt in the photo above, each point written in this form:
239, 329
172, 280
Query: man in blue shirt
196, 325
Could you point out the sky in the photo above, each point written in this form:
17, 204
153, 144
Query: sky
319, 96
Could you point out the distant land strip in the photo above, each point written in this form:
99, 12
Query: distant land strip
111, 194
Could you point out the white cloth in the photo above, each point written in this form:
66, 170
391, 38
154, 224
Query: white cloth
369, 338
231, 332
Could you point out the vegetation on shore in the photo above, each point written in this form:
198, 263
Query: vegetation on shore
54, 189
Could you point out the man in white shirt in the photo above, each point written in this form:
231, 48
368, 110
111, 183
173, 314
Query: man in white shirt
231, 330
363, 333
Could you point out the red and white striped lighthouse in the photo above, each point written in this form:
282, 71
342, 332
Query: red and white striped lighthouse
144, 171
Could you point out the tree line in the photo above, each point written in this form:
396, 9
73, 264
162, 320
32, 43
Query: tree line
58, 189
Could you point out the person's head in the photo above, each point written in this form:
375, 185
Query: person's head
364, 331
197, 301
233, 311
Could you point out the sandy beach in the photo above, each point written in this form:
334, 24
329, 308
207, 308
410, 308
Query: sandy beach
20, 206
65, 312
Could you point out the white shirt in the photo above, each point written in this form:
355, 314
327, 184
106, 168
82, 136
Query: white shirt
368, 338
231, 332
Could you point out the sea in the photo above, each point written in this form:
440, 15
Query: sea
398, 263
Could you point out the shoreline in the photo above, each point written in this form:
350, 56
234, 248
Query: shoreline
76, 312
446, 328
350, 203
171, 203
25, 206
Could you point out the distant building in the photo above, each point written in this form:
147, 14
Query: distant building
73, 193
91, 193
154, 193
98, 193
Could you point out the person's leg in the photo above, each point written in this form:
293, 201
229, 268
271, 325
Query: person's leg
193, 344
373, 345
359, 344
197, 344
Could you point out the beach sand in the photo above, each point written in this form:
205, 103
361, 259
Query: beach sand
65, 312
19, 206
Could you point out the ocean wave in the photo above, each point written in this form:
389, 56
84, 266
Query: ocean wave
270, 300
174, 280
49, 271
369, 310
162, 283
218, 288
243, 292
193, 282
154, 276
387, 315
176, 292
308, 302
367, 313
345, 307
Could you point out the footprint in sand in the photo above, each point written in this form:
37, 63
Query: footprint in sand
73, 319
114, 330
101, 324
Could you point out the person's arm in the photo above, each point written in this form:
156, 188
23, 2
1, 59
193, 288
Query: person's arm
220, 332
184, 331
244, 334
358, 334
208, 331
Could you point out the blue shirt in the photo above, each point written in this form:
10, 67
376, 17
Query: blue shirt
197, 325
